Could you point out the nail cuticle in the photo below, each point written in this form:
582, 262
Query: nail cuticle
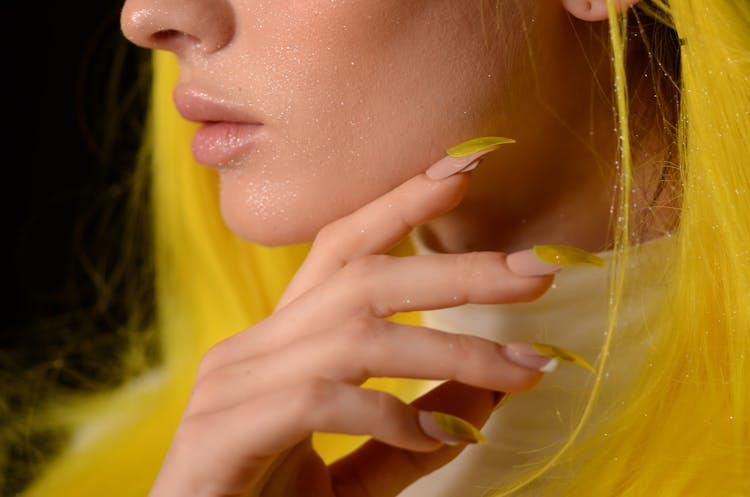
464, 157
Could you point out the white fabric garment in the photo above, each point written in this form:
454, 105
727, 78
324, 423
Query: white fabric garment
572, 314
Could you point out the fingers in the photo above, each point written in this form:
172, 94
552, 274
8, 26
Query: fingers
380, 225
379, 286
237, 446
365, 348
256, 430
375, 228
379, 469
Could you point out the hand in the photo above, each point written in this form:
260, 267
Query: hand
260, 394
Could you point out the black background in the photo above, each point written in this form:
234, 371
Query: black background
70, 132
73, 101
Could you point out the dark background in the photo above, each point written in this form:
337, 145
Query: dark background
74, 95
70, 131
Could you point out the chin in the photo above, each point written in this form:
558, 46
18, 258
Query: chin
271, 236
282, 212
270, 232
275, 227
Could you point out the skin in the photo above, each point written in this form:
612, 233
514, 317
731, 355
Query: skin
356, 97
357, 100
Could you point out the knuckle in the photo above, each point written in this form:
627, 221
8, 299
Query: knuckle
206, 389
357, 345
193, 431
311, 395
483, 277
362, 267
211, 360
465, 348
361, 333
190, 429
386, 405
368, 286
470, 357
326, 237
470, 269
470, 265
478, 361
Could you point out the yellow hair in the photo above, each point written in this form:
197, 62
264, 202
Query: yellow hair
683, 430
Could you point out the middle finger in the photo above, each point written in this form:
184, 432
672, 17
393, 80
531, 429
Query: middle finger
364, 348
379, 286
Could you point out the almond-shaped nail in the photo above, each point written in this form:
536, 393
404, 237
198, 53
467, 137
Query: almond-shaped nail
567, 256
557, 353
527, 263
465, 156
526, 355
542, 357
449, 429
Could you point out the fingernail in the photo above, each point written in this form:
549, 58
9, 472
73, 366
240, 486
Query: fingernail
542, 357
548, 259
449, 429
477, 145
526, 355
448, 166
565, 255
560, 354
465, 156
527, 263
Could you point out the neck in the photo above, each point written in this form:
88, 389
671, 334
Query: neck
558, 182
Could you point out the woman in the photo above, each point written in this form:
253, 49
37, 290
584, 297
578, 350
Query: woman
329, 121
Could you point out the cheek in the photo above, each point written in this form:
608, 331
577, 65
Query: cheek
325, 163
287, 198
354, 117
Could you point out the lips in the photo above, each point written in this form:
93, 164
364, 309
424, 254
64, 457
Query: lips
217, 143
227, 131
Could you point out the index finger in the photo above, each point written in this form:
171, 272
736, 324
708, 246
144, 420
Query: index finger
381, 224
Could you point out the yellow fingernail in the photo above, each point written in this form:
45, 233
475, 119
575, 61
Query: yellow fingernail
458, 428
561, 354
567, 256
477, 145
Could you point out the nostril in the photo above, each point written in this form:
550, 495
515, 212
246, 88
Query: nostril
170, 39
177, 25
165, 34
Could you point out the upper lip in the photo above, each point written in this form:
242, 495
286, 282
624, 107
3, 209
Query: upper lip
199, 106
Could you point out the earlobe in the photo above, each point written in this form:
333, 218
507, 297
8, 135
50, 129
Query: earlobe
594, 10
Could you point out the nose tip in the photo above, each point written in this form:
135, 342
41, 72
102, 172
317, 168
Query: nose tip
178, 25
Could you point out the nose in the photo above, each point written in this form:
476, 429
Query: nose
179, 25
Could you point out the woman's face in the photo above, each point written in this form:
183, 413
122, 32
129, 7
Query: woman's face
338, 100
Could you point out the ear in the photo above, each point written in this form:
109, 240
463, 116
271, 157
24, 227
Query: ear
594, 10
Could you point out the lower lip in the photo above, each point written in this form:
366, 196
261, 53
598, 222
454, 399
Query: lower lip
215, 144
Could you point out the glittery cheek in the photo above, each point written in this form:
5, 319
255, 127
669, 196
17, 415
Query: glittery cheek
355, 96
317, 118
270, 72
